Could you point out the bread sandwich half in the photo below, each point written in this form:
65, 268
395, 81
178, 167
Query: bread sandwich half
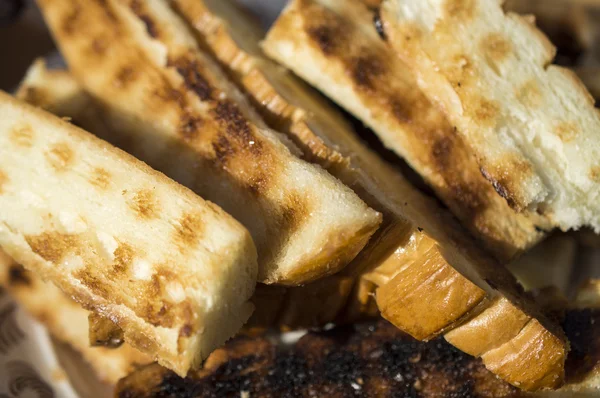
171, 106
531, 125
427, 276
173, 271
335, 46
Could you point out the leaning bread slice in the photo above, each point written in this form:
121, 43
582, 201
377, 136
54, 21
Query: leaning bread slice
178, 112
173, 271
532, 126
334, 45
67, 321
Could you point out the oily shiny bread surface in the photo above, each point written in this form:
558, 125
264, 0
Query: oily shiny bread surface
121, 238
531, 125
67, 321
334, 45
178, 112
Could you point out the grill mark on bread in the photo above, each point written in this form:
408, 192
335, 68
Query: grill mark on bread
496, 47
3, 181
566, 131
151, 26
365, 69
595, 174
144, 204
53, 246
189, 70
125, 76
460, 9
484, 110
188, 231
123, 257
98, 47
189, 128
530, 95
100, 178
68, 23
60, 156
22, 136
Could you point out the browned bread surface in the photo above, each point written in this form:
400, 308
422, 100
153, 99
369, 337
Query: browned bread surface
122, 239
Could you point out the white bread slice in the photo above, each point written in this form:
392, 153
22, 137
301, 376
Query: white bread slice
173, 271
186, 119
334, 45
416, 240
532, 126
67, 321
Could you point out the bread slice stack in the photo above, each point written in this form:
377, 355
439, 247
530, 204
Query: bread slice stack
171, 106
122, 239
531, 125
335, 46
427, 256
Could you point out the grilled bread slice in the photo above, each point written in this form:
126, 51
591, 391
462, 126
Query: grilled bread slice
334, 45
179, 113
173, 271
532, 126
67, 321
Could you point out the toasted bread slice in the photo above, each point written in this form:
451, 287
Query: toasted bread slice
67, 321
532, 126
122, 239
334, 45
179, 113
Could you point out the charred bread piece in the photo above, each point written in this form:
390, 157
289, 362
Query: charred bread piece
67, 322
367, 360
178, 112
531, 125
173, 271
334, 45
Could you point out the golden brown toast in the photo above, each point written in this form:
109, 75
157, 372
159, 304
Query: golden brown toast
67, 321
334, 46
178, 112
531, 125
122, 239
